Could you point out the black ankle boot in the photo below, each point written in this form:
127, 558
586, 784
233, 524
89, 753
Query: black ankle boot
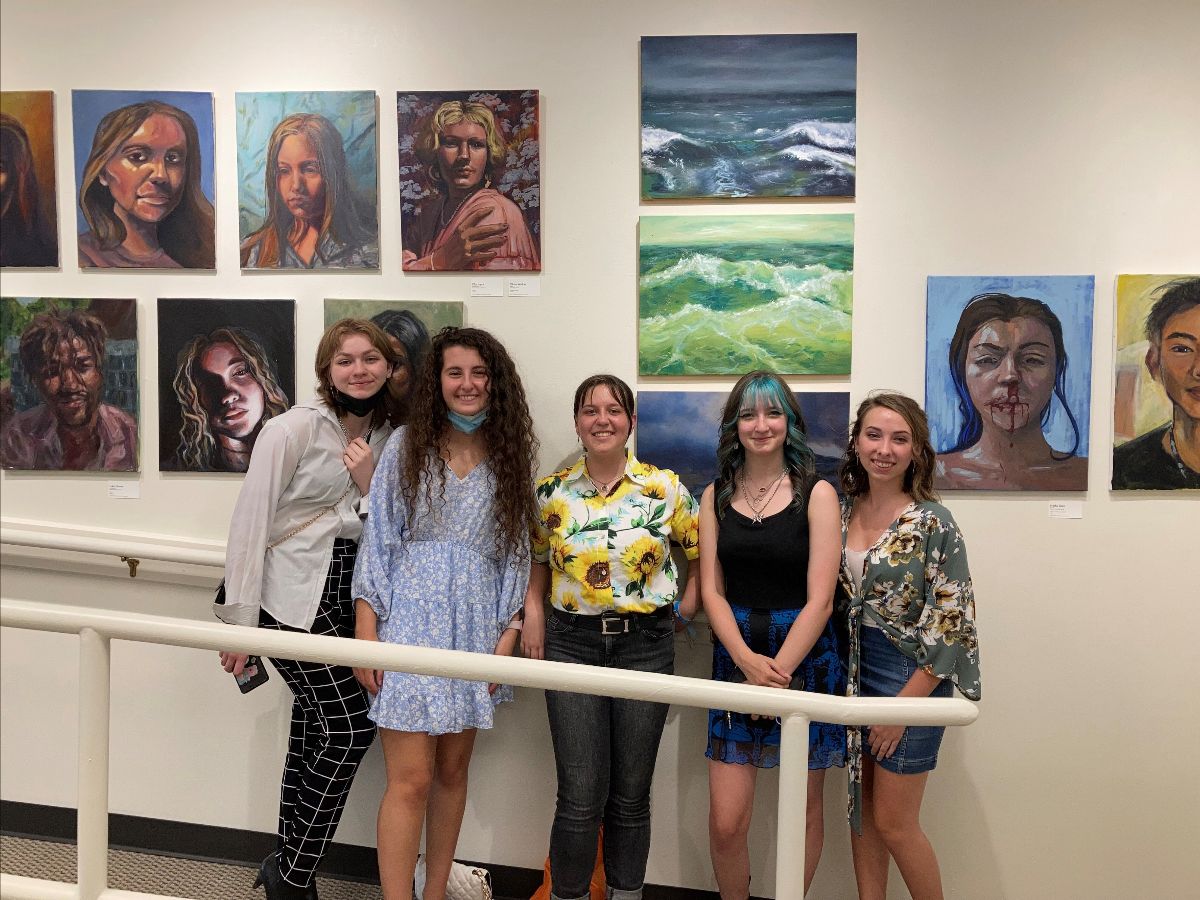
270, 879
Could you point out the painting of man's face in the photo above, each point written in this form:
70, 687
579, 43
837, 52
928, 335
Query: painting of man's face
1175, 361
71, 382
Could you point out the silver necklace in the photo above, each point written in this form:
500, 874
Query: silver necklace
602, 487
757, 508
1183, 470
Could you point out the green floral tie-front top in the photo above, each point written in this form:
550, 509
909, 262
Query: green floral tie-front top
917, 587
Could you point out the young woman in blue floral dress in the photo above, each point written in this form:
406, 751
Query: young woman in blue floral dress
769, 554
444, 562
912, 633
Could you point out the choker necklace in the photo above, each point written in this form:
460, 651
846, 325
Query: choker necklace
757, 507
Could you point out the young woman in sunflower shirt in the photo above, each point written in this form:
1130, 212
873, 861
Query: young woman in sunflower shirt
911, 634
602, 551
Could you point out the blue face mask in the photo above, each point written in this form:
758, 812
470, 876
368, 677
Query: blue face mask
467, 424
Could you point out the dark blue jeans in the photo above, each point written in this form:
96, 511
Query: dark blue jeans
604, 750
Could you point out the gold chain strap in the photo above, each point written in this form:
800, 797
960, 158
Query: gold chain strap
299, 528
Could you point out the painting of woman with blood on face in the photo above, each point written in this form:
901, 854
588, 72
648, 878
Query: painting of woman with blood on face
1008, 382
224, 369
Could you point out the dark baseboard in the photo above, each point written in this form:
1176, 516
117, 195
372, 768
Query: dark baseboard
212, 843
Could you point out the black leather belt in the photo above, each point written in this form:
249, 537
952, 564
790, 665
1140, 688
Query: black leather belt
611, 623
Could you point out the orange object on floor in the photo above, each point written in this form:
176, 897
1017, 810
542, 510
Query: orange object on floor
598, 887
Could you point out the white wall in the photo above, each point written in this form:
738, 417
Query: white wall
1023, 137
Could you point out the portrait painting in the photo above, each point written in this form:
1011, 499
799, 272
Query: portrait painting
1008, 380
144, 171
721, 295
470, 180
677, 430
68, 384
1156, 410
308, 180
409, 327
28, 211
767, 115
224, 368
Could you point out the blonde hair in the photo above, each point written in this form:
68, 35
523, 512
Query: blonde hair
451, 113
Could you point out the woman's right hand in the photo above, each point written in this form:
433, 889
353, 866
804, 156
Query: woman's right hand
470, 244
370, 679
233, 662
533, 632
763, 671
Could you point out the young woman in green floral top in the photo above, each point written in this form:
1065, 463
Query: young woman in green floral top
602, 551
912, 633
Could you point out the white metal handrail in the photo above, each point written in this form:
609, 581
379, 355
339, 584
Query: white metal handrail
96, 628
112, 544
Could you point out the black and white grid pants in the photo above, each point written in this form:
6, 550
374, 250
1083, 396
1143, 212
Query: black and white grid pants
330, 731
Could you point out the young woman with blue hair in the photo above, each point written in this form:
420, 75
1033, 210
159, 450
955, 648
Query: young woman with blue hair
770, 550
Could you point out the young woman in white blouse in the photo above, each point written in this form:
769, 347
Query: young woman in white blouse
292, 544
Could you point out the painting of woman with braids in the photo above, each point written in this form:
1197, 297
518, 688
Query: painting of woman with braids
222, 386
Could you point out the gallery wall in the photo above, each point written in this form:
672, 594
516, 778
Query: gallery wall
1024, 138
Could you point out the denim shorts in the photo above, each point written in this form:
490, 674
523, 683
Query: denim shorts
883, 671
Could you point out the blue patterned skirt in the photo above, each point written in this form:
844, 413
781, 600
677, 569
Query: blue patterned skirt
740, 738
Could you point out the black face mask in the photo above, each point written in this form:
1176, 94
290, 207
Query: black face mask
356, 406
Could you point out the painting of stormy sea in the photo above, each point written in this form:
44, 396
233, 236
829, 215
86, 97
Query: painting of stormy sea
677, 430
749, 116
721, 295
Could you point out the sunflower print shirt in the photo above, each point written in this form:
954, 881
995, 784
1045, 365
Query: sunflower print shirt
612, 554
916, 586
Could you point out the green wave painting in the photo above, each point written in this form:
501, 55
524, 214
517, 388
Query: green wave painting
721, 295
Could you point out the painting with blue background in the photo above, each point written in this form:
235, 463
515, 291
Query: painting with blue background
89, 107
1070, 298
352, 113
677, 430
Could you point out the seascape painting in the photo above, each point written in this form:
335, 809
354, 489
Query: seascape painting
28, 211
1156, 408
749, 116
144, 171
308, 180
677, 430
721, 295
1008, 380
68, 384
470, 180
409, 327
224, 368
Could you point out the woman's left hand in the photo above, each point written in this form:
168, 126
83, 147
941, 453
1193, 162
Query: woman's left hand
504, 647
360, 463
884, 739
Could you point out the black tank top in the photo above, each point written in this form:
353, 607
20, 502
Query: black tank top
766, 565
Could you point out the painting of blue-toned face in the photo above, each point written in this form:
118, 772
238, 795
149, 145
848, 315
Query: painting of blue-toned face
677, 430
1008, 381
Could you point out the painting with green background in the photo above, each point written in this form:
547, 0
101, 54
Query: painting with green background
721, 295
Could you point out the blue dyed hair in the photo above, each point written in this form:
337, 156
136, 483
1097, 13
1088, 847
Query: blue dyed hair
985, 308
768, 389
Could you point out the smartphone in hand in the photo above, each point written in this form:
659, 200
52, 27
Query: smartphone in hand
253, 674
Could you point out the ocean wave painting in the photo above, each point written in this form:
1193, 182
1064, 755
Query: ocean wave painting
749, 116
677, 430
721, 295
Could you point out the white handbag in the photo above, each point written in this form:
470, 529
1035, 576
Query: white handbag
464, 883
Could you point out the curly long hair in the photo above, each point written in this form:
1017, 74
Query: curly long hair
343, 219
507, 433
984, 308
770, 390
187, 235
197, 446
391, 409
918, 479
